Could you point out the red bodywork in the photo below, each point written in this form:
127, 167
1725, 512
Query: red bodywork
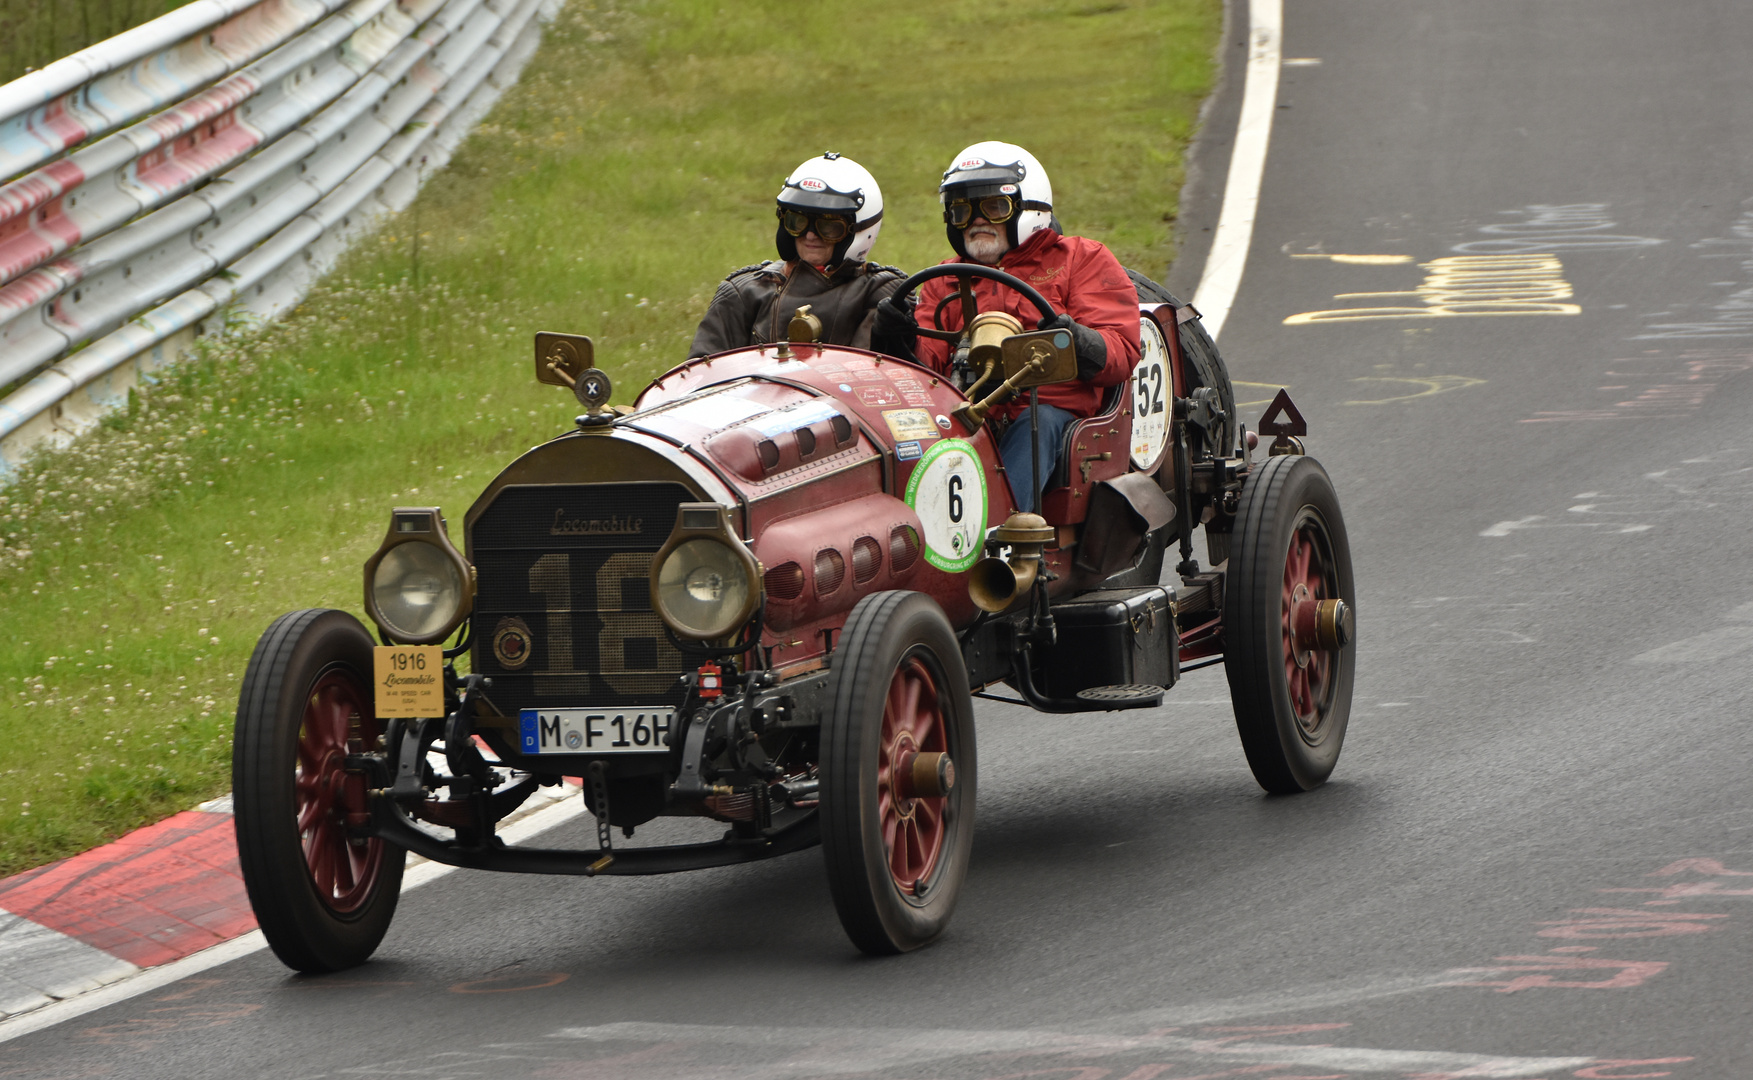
816, 447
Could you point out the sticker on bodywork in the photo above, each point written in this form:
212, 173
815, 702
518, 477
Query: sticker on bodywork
907, 424
908, 451
1151, 389
948, 492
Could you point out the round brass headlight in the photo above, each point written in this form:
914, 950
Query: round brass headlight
704, 588
419, 592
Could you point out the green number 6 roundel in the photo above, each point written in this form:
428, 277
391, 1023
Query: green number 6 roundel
948, 492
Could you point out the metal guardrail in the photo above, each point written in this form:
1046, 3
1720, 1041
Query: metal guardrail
218, 158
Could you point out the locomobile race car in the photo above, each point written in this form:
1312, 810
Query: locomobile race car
766, 595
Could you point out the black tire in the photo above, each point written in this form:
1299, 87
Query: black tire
895, 641
1291, 715
1205, 367
324, 902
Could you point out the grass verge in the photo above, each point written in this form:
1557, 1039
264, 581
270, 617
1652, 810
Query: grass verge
633, 166
36, 33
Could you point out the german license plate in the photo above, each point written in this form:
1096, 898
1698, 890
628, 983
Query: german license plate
596, 731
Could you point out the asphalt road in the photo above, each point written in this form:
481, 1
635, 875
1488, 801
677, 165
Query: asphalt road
1536, 856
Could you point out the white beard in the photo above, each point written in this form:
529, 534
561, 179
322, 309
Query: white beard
985, 246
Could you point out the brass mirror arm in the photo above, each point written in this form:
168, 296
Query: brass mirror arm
973, 414
554, 365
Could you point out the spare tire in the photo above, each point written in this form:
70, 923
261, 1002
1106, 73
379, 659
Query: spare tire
1204, 366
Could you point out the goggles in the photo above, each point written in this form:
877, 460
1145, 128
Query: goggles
997, 209
830, 227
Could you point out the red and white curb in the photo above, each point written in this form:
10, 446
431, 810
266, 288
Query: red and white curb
158, 905
156, 895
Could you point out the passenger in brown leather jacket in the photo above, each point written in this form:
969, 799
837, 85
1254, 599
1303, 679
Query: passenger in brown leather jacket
830, 211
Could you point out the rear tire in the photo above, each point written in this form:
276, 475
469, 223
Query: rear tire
1291, 703
896, 864
323, 899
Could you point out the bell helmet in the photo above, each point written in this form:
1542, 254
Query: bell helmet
834, 184
1000, 168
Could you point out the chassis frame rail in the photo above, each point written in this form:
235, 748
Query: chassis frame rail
391, 823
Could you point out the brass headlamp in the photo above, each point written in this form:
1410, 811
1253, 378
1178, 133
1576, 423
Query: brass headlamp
705, 582
418, 586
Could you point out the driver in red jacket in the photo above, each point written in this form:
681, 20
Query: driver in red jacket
998, 210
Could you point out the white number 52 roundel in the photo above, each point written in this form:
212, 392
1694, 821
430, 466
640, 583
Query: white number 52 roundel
1151, 390
948, 492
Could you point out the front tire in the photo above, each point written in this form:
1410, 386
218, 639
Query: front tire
896, 860
323, 899
1292, 697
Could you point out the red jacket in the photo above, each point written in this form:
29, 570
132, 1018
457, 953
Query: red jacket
1079, 277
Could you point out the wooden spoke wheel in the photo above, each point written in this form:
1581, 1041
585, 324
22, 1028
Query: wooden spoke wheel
1288, 624
323, 895
898, 773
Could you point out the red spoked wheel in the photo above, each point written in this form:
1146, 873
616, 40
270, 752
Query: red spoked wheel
338, 720
898, 773
323, 892
913, 820
1308, 580
1288, 624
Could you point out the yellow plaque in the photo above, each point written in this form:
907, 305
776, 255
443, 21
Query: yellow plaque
410, 680
907, 424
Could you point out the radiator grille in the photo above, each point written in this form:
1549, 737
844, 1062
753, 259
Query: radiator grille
567, 565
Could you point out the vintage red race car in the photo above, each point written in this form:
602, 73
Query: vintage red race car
767, 594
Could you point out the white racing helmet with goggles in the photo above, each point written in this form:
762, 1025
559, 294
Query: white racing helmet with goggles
835, 197
1000, 182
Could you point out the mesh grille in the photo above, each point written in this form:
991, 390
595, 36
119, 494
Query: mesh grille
903, 548
568, 565
785, 581
830, 571
867, 559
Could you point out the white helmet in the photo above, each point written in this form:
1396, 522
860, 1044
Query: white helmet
999, 168
837, 185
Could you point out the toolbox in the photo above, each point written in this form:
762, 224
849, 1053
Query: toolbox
1113, 637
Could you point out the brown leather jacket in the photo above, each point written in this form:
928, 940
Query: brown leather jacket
754, 305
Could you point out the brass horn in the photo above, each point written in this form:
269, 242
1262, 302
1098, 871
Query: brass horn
993, 583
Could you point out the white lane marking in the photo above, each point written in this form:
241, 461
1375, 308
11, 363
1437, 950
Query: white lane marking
147, 980
1320, 996
42, 966
1241, 193
150, 979
1719, 644
819, 1051
1504, 528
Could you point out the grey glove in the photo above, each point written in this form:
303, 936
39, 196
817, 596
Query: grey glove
1092, 349
895, 332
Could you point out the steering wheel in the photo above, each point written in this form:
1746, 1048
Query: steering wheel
965, 273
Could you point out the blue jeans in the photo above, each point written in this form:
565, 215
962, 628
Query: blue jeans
1019, 465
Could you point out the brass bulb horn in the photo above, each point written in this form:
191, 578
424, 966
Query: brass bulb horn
994, 583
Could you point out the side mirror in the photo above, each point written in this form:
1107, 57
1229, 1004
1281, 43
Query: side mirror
562, 359
1052, 348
